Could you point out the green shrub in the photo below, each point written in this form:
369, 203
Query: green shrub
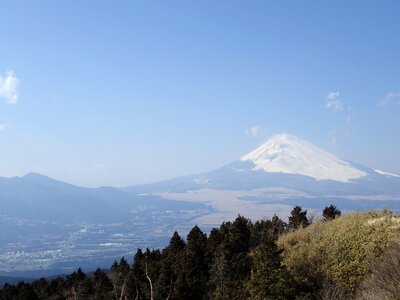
338, 253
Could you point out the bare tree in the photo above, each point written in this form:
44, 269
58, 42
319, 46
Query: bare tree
149, 279
384, 282
124, 287
170, 289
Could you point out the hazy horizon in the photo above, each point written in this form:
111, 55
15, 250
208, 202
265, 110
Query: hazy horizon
298, 165
99, 93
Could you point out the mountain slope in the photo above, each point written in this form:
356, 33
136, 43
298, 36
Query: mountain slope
36, 196
289, 154
50, 227
290, 162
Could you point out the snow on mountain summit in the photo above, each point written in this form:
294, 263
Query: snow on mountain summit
384, 173
285, 153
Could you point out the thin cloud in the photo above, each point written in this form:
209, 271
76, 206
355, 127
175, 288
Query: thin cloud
254, 131
332, 101
8, 87
3, 127
349, 126
392, 98
333, 138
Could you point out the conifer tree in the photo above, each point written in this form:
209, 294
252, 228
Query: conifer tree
258, 230
269, 280
331, 212
58, 286
8, 291
298, 218
25, 292
120, 273
214, 240
41, 288
102, 285
278, 225
170, 268
79, 284
192, 279
230, 265
139, 276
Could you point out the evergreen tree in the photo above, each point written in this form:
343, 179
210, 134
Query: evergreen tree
170, 268
230, 265
331, 212
119, 275
123, 266
139, 277
102, 285
258, 230
152, 269
41, 288
269, 279
279, 226
58, 288
79, 284
219, 280
8, 292
144, 278
298, 218
26, 292
193, 277
214, 240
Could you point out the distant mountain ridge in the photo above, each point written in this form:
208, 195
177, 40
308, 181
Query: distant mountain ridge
284, 160
41, 197
51, 227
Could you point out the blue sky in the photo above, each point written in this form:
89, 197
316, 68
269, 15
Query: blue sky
124, 92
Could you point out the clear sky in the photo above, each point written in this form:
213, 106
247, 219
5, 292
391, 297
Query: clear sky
125, 92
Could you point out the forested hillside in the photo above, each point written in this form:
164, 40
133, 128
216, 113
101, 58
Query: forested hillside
355, 256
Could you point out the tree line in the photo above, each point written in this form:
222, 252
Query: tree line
238, 260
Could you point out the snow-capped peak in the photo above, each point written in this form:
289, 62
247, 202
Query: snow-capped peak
285, 153
384, 173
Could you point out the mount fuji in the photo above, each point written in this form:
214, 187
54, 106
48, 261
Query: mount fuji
285, 171
290, 162
289, 154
